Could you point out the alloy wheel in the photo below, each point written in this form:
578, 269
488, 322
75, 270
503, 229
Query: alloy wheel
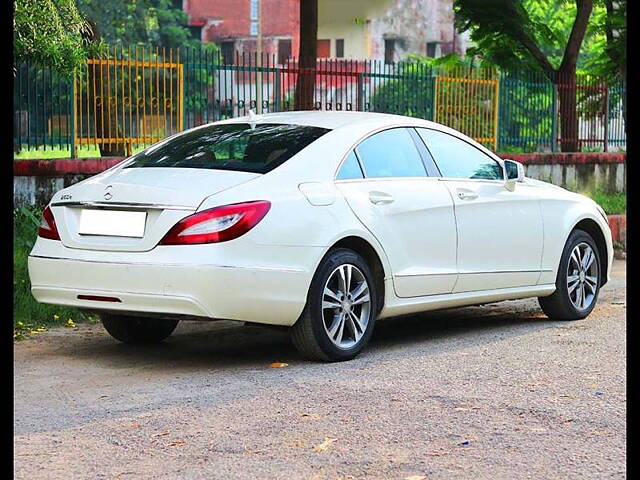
346, 306
582, 276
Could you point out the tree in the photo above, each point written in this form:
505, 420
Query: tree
147, 22
305, 85
49, 32
506, 32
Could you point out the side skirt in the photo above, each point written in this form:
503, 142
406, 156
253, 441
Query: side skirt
402, 306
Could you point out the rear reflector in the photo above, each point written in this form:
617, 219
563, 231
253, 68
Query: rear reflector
99, 298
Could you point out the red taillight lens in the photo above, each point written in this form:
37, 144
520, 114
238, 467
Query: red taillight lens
48, 227
218, 224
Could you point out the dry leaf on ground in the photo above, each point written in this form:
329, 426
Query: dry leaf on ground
324, 446
278, 365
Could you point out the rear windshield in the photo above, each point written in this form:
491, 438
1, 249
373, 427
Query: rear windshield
234, 146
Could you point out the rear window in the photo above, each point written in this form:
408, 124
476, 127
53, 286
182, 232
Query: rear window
234, 146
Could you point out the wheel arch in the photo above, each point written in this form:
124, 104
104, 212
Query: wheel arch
367, 251
593, 228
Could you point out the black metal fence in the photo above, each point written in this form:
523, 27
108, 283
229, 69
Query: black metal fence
133, 97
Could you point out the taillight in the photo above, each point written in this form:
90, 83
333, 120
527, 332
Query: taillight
48, 227
218, 224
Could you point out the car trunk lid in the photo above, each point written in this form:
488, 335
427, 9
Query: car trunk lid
160, 196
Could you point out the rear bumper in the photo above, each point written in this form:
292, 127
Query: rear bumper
255, 294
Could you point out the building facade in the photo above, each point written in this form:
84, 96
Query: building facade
351, 29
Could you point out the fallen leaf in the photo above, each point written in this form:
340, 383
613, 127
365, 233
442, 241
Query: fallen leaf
315, 416
278, 365
324, 446
177, 443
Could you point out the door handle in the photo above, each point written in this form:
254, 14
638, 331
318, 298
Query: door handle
467, 195
380, 198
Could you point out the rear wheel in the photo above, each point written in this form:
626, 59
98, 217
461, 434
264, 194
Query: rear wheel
137, 330
338, 319
578, 280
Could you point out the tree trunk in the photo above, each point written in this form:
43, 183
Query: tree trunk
566, 84
305, 85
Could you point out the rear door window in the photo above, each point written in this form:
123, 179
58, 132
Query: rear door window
391, 153
350, 168
235, 146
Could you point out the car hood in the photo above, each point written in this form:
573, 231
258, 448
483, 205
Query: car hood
177, 187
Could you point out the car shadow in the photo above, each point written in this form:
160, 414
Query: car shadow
224, 345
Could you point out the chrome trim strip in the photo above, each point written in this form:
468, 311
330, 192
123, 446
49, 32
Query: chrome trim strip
268, 269
471, 273
123, 205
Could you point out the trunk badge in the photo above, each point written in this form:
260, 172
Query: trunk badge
107, 193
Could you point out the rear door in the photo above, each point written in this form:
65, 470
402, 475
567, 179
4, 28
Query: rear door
500, 233
394, 190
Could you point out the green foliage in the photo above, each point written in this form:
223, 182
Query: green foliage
607, 43
612, 203
49, 32
497, 28
29, 316
139, 22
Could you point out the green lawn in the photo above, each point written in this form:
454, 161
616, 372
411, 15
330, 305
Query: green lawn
29, 316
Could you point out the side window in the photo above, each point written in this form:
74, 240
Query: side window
459, 159
391, 153
350, 168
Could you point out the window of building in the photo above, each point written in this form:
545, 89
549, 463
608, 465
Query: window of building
324, 49
228, 51
196, 31
389, 50
340, 48
284, 51
432, 49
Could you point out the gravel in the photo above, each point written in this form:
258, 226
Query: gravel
495, 392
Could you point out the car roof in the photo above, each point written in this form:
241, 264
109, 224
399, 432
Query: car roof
331, 119
350, 123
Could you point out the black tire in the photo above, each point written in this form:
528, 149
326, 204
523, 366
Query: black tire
559, 306
309, 334
138, 330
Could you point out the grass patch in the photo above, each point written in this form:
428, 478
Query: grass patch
29, 316
47, 153
43, 153
612, 203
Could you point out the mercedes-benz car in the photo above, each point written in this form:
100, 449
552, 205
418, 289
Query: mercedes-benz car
323, 222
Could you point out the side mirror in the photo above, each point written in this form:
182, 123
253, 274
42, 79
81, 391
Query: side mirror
513, 173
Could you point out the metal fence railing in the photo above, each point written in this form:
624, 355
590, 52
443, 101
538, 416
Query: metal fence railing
132, 97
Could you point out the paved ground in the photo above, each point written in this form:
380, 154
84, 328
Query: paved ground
485, 392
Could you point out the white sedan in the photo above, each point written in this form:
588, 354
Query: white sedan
323, 222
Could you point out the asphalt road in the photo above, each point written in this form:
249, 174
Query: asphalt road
486, 392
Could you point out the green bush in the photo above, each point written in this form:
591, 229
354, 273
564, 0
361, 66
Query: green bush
612, 203
29, 316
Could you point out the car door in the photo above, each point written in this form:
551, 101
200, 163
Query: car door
500, 232
396, 194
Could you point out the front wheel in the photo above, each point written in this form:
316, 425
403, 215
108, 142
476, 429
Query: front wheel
578, 280
338, 318
137, 330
